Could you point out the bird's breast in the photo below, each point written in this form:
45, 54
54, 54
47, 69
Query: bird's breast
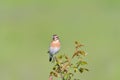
55, 44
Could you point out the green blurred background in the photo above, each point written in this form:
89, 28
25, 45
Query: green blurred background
26, 27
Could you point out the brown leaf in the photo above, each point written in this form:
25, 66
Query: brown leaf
86, 69
76, 42
65, 66
82, 53
67, 58
81, 70
54, 74
75, 54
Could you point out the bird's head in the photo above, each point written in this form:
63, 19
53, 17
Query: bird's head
55, 37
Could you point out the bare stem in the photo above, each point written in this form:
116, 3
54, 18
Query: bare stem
62, 77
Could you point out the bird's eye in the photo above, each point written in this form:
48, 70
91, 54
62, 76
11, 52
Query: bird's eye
56, 36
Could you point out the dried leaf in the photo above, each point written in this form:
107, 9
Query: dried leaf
82, 52
81, 70
75, 69
55, 74
71, 74
67, 58
83, 62
86, 69
65, 67
54, 68
75, 54
76, 42
60, 57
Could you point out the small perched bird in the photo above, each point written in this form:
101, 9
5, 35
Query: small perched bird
54, 47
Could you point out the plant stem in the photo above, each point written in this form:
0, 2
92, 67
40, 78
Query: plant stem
62, 77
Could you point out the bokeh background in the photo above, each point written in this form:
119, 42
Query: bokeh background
26, 27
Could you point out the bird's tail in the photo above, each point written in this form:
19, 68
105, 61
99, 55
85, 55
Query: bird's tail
50, 58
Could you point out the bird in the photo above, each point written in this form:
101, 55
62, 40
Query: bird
54, 47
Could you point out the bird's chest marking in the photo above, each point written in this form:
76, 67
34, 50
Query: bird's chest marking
55, 44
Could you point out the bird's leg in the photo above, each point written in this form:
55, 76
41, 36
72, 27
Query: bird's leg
54, 58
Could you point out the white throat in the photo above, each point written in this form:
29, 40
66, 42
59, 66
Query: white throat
56, 41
